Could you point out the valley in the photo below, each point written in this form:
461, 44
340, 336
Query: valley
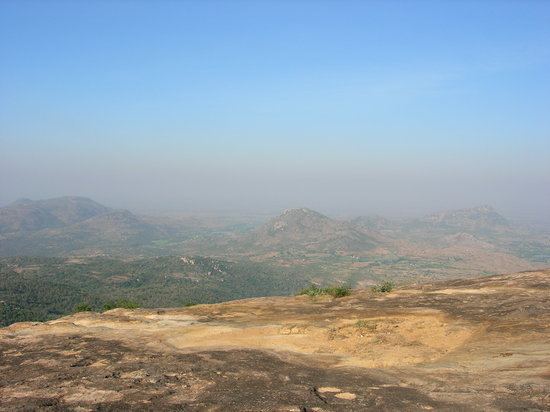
56, 254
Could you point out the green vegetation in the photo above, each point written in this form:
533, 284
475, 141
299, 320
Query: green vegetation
338, 291
41, 289
121, 303
83, 307
384, 287
334, 291
311, 290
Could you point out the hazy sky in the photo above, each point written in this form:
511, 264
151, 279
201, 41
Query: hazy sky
346, 107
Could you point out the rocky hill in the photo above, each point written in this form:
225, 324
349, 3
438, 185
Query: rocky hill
481, 218
25, 215
60, 226
478, 344
305, 230
476, 220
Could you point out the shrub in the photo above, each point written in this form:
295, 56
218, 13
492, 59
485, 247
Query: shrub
369, 325
384, 287
361, 324
121, 303
334, 291
83, 307
338, 291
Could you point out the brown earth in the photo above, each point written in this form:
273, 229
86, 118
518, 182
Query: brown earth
476, 344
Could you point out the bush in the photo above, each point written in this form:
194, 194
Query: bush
334, 291
338, 291
83, 307
121, 303
384, 287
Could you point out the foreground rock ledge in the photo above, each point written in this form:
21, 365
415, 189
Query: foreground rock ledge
465, 344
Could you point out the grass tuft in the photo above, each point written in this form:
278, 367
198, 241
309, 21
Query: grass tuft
369, 325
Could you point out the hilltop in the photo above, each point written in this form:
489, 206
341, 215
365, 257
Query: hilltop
477, 344
305, 230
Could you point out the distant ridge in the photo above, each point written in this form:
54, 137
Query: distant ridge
65, 224
32, 215
476, 218
478, 239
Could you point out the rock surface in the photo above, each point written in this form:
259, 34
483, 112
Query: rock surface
476, 344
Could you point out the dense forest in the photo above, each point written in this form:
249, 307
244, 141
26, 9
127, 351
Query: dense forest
39, 289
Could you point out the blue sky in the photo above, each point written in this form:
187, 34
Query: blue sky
349, 107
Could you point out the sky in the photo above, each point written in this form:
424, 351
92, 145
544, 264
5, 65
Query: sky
397, 108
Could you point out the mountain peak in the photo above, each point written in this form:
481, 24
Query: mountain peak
297, 219
481, 209
302, 211
306, 229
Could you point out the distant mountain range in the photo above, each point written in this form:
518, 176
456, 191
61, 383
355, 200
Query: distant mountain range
477, 239
473, 220
25, 215
306, 230
63, 225
58, 252
480, 218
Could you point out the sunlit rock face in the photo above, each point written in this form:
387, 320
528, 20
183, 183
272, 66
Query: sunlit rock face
465, 344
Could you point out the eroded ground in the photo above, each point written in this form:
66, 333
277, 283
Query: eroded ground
481, 344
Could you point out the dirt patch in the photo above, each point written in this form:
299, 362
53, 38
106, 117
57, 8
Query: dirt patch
119, 278
465, 291
346, 395
388, 341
